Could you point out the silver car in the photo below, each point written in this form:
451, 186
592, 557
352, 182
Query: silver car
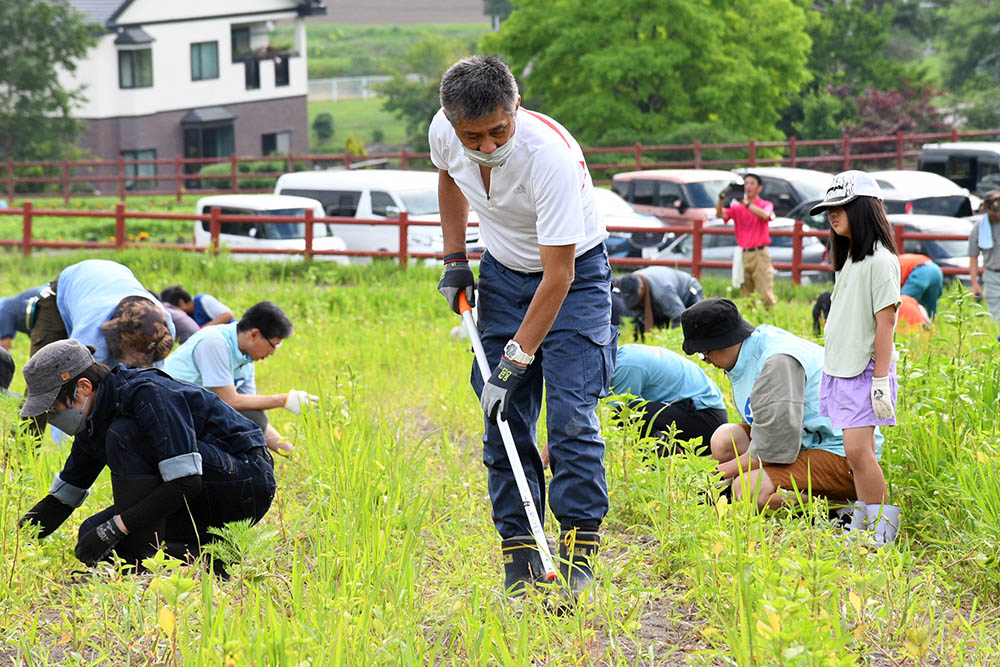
721, 247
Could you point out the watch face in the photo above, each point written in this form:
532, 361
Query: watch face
511, 350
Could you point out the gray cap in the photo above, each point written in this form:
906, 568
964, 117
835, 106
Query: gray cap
53, 366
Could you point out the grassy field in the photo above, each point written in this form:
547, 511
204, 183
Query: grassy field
379, 548
337, 50
366, 119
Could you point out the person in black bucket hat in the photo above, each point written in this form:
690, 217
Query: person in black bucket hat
782, 442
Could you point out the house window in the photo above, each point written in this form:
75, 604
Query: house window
240, 38
276, 142
206, 142
281, 71
141, 170
252, 73
204, 61
135, 68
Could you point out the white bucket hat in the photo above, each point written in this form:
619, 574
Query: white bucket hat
846, 187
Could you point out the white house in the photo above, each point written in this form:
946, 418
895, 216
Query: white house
193, 78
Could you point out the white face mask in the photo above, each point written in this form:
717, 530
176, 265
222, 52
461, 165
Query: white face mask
497, 158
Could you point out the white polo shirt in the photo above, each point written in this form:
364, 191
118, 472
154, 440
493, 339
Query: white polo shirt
543, 195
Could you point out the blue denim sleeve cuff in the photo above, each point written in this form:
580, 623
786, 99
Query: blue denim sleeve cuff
184, 465
66, 493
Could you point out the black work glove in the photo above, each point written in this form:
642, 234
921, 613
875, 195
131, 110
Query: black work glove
457, 277
95, 545
48, 514
506, 377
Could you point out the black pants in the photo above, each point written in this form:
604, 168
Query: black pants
233, 488
691, 423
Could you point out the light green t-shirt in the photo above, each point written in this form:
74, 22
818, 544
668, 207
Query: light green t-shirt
861, 290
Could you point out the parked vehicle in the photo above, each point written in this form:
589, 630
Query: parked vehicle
969, 164
937, 195
615, 211
673, 195
287, 235
944, 253
894, 202
380, 194
787, 187
721, 247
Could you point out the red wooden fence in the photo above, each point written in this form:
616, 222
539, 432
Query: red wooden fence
177, 175
29, 216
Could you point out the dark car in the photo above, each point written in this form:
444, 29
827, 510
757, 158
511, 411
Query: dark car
787, 187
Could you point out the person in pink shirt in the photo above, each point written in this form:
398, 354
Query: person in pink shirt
751, 217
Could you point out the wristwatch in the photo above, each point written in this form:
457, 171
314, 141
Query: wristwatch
512, 350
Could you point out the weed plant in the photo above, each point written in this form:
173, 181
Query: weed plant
379, 547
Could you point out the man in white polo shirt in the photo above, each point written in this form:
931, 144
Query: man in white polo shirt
544, 305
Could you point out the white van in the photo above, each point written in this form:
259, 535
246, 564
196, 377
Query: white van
376, 194
290, 235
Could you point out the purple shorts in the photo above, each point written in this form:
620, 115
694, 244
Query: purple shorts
848, 401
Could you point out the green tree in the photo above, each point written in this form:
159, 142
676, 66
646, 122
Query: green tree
416, 102
615, 69
969, 38
497, 10
37, 40
323, 126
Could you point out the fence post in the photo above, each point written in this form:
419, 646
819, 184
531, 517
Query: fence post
121, 178
119, 226
899, 149
847, 153
792, 151
347, 160
291, 163
752, 149
10, 181
404, 220
309, 234
638, 156
214, 229
177, 177
954, 134
697, 154
234, 176
65, 182
696, 230
404, 159
27, 215
900, 233
797, 253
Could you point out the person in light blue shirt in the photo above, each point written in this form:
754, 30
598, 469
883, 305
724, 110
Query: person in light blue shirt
204, 309
670, 390
221, 358
14, 315
101, 304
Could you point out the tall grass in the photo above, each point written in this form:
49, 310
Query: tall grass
379, 548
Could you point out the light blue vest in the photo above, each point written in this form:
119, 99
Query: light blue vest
765, 341
180, 364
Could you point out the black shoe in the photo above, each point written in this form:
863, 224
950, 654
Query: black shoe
522, 565
577, 551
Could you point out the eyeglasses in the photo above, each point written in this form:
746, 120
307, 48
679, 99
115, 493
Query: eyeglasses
274, 346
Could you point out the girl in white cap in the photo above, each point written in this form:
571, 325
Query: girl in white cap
858, 389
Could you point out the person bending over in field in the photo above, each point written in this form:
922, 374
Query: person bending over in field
782, 443
181, 460
657, 295
13, 315
204, 309
221, 358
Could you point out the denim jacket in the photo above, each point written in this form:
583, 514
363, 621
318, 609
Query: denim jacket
172, 425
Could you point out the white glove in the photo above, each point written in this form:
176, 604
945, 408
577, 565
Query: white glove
298, 399
882, 398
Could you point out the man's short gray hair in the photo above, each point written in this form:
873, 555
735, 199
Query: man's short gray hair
477, 87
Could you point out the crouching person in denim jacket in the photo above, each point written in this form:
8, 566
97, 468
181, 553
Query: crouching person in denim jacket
181, 460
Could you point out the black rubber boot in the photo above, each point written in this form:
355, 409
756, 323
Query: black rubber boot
143, 542
522, 565
577, 551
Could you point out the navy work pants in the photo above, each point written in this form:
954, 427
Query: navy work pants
574, 365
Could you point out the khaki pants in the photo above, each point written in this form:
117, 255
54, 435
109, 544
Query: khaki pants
49, 326
758, 275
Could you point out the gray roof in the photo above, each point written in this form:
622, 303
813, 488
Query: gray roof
207, 115
100, 11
